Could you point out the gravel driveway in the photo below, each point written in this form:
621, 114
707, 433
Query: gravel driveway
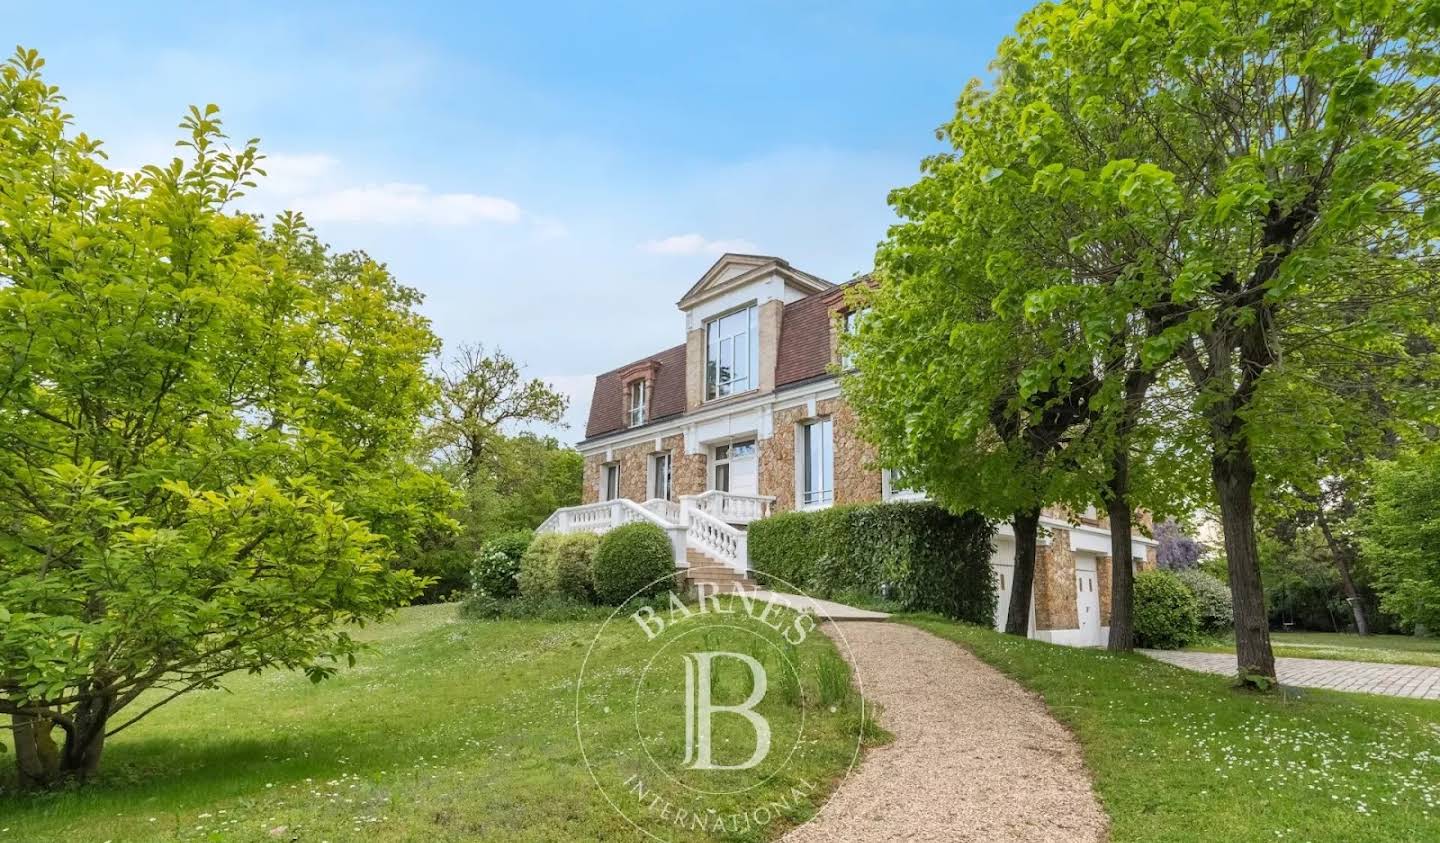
975, 756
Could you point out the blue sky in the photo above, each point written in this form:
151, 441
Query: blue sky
552, 176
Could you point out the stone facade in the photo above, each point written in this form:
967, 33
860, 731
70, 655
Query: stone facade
590, 478
694, 370
777, 459
857, 480
1055, 596
769, 318
1103, 572
687, 471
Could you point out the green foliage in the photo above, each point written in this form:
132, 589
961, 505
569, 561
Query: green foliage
559, 564
205, 427
546, 607
1401, 538
926, 558
633, 560
497, 570
1167, 615
523, 479
1212, 600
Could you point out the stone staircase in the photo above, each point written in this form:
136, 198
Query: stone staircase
707, 531
712, 573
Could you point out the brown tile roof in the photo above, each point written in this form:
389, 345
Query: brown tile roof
805, 343
804, 354
607, 403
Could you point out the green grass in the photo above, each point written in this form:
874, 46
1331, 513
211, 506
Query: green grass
447, 729
1385, 649
1180, 756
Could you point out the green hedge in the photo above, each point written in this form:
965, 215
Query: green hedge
919, 554
557, 564
633, 560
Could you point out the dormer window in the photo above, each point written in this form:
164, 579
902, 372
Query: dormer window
732, 353
636, 402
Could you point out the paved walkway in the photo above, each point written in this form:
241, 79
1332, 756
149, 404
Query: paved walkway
975, 756
1396, 680
825, 610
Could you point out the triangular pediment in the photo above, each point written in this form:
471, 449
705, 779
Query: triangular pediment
733, 270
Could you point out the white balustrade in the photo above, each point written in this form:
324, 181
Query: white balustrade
732, 508
704, 522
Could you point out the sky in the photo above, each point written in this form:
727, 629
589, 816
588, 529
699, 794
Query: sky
552, 176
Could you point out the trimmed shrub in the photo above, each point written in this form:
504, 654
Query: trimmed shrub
1212, 599
635, 559
917, 554
496, 571
1167, 616
559, 565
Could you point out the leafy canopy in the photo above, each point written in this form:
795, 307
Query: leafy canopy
204, 423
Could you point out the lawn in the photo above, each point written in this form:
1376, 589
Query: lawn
448, 729
1182, 756
1386, 649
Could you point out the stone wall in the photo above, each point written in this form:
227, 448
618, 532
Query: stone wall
694, 370
857, 480
590, 490
687, 471
1103, 573
1055, 584
777, 459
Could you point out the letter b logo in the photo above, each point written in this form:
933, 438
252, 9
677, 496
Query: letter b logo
700, 710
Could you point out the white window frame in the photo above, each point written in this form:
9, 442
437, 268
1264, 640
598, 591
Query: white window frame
718, 462
662, 485
892, 493
824, 496
607, 472
636, 409
849, 321
715, 346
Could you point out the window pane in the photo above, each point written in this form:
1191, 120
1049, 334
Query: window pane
743, 449
722, 477
727, 364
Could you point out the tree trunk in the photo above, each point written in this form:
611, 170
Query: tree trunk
1122, 563
85, 740
42, 764
37, 758
1341, 554
1017, 617
1233, 470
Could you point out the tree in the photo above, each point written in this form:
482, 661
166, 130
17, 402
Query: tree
202, 430
938, 386
1258, 181
1401, 538
479, 394
985, 276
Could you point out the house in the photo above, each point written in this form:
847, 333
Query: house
745, 418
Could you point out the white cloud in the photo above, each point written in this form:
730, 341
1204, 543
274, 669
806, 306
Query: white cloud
291, 174
695, 244
398, 203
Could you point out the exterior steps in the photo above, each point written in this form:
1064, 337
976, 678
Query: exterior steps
704, 569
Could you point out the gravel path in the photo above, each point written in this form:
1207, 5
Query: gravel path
975, 756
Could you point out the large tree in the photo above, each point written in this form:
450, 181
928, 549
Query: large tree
480, 395
1255, 186
203, 425
940, 386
